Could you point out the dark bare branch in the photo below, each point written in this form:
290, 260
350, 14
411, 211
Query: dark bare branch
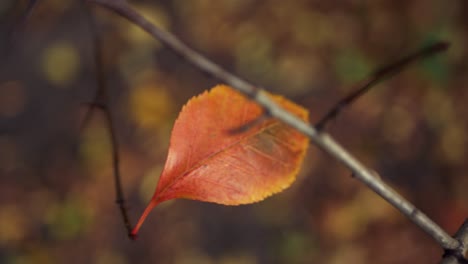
22, 21
15, 31
101, 102
379, 76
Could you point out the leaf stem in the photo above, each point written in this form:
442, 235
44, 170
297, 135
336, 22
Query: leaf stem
148, 209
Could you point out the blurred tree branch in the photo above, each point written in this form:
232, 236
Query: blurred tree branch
15, 31
321, 139
101, 102
32, 4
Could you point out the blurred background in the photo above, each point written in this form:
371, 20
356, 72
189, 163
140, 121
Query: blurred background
56, 185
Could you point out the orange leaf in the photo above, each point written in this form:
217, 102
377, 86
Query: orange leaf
209, 163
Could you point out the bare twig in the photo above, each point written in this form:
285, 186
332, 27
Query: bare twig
322, 140
379, 76
16, 29
459, 255
101, 101
23, 20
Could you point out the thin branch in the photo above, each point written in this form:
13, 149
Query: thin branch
379, 76
101, 102
32, 4
322, 140
459, 255
16, 29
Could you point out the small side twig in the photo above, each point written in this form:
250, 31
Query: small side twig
32, 4
101, 102
16, 29
322, 140
379, 76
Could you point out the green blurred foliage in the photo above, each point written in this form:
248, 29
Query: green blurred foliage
56, 186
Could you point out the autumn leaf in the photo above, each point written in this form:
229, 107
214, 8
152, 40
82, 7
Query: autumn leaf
209, 163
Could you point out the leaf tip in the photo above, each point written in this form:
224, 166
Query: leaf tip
133, 235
